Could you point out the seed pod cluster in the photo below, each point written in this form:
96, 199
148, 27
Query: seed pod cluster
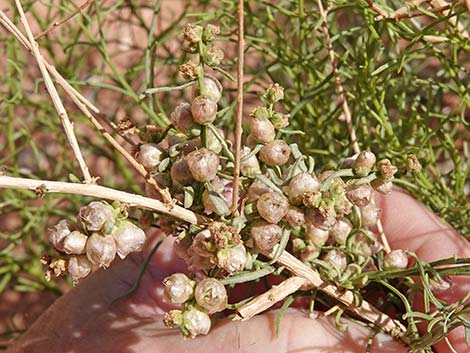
101, 232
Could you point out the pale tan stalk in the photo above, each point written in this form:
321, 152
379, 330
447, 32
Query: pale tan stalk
67, 124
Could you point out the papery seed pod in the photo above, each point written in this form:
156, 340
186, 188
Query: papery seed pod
173, 318
386, 169
58, 233
212, 88
295, 216
262, 130
182, 118
316, 236
364, 163
274, 93
309, 253
249, 167
101, 250
75, 243
300, 184
180, 174
275, 153
320, 217
204, 110
78, 267
203, 243
192, 33
203, 164
272, 206
178, 288
195, 323
213, 55
210, 294
361, 195
337, 259
340, 230
96, 215
280, 121
370, 214
149, 155
383, 186
363, 245
266, 235
396, 260
128, 238
256, 189
412, 164
232, 259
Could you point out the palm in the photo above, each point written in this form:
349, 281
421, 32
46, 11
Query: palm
85, 320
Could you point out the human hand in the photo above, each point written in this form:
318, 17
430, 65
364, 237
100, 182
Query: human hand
84, 320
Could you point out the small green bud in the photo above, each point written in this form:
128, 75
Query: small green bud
210, 32
274, 94
192, 33
213, 55
386, 169
260, 113
412, 164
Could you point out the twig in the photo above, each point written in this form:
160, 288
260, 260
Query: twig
364, 310
339, 85
271, 297
239, 116
68, 126
101, 192
439, 4
66, 19
85, 106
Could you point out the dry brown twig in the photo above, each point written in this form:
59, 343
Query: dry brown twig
67, 124
64, 20
85, 106
239, 116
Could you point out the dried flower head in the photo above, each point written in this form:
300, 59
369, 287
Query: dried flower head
204, 110
266, 235
182, 118
364, 163
58, 233
301, 184
262, 130
75, 243
79, 267
412, 164
386, 169
178, 288
149, 155
275, 153
195, 323
361, 195
272, 206
396, 260
97, 216
101, 250
203, 164
211, 295
128, 238
232, 259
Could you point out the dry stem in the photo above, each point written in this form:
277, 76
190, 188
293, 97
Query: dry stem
66, 19
101, 192
239, 116
85, 106
68, 126
271, 297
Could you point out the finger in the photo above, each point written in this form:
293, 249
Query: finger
409, 225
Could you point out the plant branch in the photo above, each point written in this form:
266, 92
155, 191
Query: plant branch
101, 192
64, 20
85, 106
239, 114
67, 124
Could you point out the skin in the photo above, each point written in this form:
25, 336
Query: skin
84, 320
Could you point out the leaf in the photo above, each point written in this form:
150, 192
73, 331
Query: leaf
289, 300
220, 206
188, 196
163, 165
74, 179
